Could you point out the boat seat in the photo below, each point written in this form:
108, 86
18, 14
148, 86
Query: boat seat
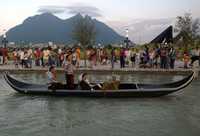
127, 86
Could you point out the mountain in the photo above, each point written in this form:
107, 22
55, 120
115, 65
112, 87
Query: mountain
47, 27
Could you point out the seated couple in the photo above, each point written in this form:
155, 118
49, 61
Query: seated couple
86, 85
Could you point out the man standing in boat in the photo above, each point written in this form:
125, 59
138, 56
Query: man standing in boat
69, 71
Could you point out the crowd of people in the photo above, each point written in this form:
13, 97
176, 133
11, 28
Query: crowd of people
160, 57
44, 57
163, 57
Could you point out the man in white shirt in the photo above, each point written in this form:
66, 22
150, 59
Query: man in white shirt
46, 54
30, 57
21, 54
53, 84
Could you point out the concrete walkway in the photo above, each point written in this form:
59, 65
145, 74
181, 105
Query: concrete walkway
102, 69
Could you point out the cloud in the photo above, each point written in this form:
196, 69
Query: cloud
72, 9
52, 9
84, 10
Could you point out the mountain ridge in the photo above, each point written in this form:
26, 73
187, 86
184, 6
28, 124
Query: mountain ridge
47, 27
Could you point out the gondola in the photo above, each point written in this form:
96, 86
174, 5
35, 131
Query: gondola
125, 90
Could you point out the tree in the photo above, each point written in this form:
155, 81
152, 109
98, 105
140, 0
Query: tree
188, 28
84, 32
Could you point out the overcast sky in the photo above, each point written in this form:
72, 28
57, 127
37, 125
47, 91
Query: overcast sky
13, 12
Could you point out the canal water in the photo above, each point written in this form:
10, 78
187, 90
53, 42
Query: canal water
174, 115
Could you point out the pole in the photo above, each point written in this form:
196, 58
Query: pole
4, 42
126, 41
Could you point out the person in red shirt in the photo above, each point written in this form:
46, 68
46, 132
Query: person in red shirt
5, 55
186, 59
37, 54
122, 58
163, 58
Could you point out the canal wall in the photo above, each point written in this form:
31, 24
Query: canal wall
104, 70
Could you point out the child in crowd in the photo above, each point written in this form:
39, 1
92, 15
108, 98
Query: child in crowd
186, 59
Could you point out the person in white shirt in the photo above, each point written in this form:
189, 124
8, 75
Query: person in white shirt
30, 57
46, 54
53, 84
74, 58
59, 51
21, 54
26, 61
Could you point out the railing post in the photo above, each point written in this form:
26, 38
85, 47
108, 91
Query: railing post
196, 72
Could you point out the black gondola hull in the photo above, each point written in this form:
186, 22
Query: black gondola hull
126, 90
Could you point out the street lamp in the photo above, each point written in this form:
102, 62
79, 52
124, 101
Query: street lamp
99, 45
127, 33
127, 41
4, 41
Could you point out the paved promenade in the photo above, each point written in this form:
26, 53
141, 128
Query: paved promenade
103, 69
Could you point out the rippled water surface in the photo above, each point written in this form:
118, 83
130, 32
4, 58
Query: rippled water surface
175, 115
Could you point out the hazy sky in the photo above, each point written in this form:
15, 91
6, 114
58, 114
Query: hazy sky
13, 12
